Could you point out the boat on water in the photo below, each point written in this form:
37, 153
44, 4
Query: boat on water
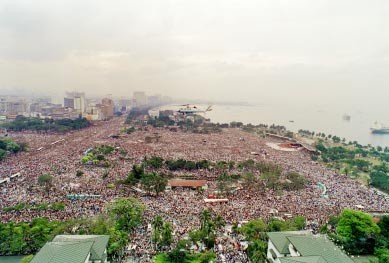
379, 128
346, 117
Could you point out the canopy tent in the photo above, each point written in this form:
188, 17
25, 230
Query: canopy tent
221, 200
82, 196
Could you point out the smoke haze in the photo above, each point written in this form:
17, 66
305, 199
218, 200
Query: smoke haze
333, 51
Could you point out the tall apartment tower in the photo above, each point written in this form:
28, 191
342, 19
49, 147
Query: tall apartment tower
107, 108
75, 100
140, 98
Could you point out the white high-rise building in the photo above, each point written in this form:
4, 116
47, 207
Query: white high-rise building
75, 100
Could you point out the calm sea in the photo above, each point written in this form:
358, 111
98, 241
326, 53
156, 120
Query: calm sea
318, 118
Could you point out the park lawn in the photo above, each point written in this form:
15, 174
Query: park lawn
364, 178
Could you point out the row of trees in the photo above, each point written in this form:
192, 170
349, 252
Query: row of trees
197, 125
43, 206
182, 164
24, 123
354, 161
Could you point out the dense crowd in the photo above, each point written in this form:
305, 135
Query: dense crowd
181, 207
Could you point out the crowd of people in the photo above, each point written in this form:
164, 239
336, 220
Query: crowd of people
181, 207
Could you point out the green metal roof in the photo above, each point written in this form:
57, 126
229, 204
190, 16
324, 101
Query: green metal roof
313, 259
99, 243
280, 240
319, 246
63, 252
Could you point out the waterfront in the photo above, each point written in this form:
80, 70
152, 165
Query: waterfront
314, 117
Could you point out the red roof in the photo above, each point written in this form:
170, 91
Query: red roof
187, 183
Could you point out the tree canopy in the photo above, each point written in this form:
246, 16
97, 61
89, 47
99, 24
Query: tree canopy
356, 231
127, 212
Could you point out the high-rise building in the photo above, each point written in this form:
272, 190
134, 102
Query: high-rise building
75, 100
154, 100
139, 98
124, 104
107, 108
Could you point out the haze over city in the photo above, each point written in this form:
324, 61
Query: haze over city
220, 50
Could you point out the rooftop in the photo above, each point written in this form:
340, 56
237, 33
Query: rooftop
63, 252
187, 183
99, 243
313, 249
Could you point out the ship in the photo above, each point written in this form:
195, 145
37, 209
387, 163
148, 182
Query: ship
346, 117
379, 128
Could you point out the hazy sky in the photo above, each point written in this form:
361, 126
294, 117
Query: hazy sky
223, 50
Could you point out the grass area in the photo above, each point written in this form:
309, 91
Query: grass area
363, 259
364, 179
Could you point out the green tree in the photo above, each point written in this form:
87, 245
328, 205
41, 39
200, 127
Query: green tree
356, 230
46, 180
127, 212
219, 221
154, 162
382, 255
154, 183
254, 229
177, 255
207, 257
257, 251
160, 184
205, 218
224, 184
157, 227
250, 180
167, 236
299, 221
271, 180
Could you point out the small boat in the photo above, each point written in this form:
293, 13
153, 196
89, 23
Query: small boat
346, 117
379, 128
291, 121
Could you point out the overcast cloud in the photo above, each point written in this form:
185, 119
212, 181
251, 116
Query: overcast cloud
222, 50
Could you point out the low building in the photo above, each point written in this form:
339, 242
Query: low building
75, 249
303, 246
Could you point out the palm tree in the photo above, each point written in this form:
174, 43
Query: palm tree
167, 237
157, 225
205, 218
257, 251
219, 221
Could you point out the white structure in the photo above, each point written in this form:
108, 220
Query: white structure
75, 100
